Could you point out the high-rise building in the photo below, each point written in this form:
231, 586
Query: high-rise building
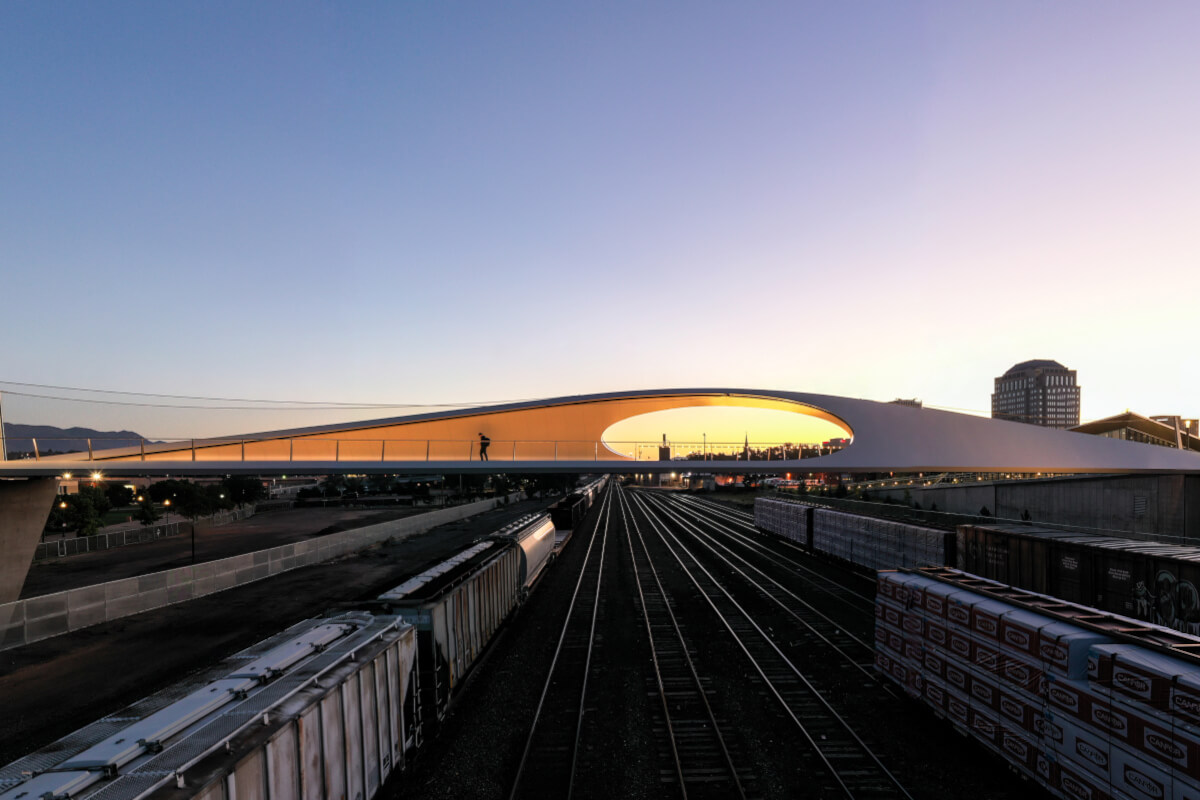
1040, 392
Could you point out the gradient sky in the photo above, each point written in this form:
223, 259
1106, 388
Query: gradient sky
449, 202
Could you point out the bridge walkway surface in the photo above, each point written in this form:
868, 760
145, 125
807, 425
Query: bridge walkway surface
52, 687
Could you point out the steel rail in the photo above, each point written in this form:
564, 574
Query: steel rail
729, 535
831, 627
754, 541
869, 773
551, 777
676, 650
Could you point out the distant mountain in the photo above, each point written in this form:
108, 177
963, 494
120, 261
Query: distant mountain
19, 439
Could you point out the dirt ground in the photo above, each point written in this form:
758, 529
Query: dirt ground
257, 533
50, 688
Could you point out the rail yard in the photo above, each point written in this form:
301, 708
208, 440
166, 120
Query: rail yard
677, 651
623, 642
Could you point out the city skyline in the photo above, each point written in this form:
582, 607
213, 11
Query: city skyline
408, 204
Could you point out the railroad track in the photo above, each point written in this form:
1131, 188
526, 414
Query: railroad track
783, 553
847, 765
745, 560
550, 758
691, 738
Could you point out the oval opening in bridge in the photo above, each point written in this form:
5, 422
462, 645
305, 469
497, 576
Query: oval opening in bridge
717, 430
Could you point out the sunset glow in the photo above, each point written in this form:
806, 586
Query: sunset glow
387, 205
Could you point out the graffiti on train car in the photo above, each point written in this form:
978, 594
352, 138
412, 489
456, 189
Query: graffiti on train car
1173, 603
1176, 603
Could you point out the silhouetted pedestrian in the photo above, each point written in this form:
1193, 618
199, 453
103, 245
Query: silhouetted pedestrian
483, 446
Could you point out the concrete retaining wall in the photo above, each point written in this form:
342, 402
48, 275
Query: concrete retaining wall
37, 618
1164, 506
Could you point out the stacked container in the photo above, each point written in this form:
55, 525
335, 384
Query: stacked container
1084, 716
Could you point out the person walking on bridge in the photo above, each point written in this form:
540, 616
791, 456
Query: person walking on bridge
483, 446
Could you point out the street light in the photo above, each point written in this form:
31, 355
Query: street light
63, 505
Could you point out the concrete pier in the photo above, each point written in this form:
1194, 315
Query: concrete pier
24, 509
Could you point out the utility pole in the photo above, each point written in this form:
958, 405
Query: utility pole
3, 441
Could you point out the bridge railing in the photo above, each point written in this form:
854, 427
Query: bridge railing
335, 449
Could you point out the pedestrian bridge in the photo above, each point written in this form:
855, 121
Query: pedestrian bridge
566, 435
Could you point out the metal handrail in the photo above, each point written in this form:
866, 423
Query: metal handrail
384, 450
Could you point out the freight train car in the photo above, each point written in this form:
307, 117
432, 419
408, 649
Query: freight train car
1085, 703
866, 541
568, 512
327, 709
456, 607
1152, 582
534, 535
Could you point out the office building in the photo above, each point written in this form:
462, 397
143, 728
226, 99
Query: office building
1039, 392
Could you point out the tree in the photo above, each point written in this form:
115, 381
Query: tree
382, 484
81, 515
119, 495
191, 502
98, 499
147, 514
241, 489
166, 490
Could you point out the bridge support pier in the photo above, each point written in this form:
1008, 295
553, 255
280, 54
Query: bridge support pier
24, 508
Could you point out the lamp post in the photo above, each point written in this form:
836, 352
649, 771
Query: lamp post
62, 505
